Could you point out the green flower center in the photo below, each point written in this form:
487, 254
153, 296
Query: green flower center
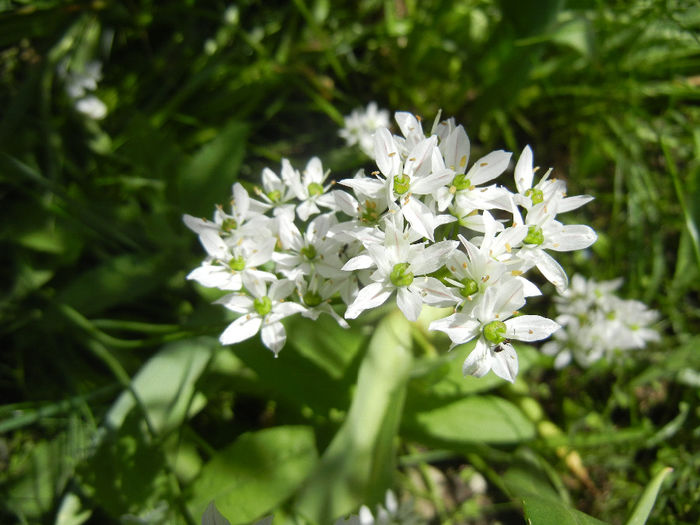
495, 332
314, 189
274, 195
309, 252
534, 235
237, 264
402, 184
470, 287
399, 276
536, 196
263, 305
461, 182
228, 225
369, 214
312, 299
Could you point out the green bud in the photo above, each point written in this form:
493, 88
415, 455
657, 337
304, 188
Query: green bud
401, 184
461, 182
315, 189
312, 299
495, 332
237, 264
470, 287
534, 235
263, 305
309, 252
399, 276
536, 196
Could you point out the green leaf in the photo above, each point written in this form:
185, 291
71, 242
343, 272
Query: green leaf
483, 419
545, 511
358, 465
207, 178
646, 502
120, 280
165, 385
212, 516
256, 473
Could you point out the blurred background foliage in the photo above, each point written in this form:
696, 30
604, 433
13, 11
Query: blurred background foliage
119, 406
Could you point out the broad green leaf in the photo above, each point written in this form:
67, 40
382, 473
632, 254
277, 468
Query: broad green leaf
544, 511
212, 516
358, 465
165, 386
325, 343
481, 419
257, 472
646, 502
296, 377
119, 280
207, 178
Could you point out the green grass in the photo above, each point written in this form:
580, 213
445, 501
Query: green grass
95, 309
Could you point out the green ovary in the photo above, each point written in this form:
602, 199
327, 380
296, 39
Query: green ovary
237, 264
534, 235
274, 195
315, 189
461, 182
401, 184
470, 287
312, 299
228, 225
263, 305
399, 276
495, 332
536, 196
309, 252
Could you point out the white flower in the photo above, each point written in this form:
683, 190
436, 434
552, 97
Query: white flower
360, 126
546, 233
597, 323
402, 267
92, 107
490, 320
263, 312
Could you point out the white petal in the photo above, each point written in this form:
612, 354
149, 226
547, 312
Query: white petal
370, 296
214, 244
478, 363
551, 270
573, 237
409, 303
571, 203
386, 153
420, 217
273, 336
489, 167
433, 182
434, 293
530, 328
433, 257
524, 171
504, 361
459, 327
360, 262
455, 149
241, 329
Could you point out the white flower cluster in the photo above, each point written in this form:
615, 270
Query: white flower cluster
300, 245
596, 323
80, 85
360, 126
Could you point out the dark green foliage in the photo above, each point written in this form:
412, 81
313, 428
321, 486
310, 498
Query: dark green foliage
118, 402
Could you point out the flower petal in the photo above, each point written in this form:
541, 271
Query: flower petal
530, 327
241, 329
